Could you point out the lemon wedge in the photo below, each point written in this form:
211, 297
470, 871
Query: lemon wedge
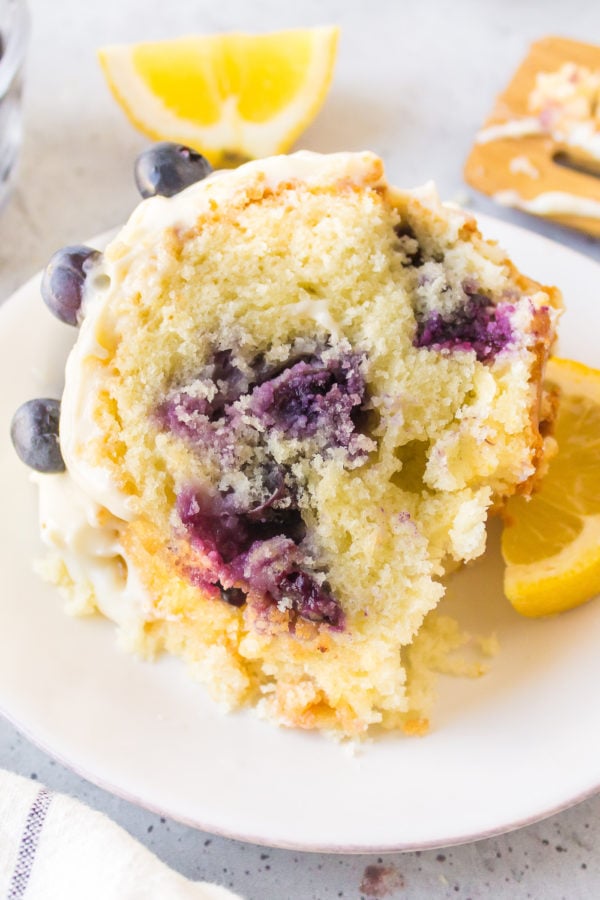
230, 96
551, 542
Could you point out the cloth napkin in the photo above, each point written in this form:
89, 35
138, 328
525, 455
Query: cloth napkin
54, 848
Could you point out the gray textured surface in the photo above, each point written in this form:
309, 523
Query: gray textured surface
413, 82
555, 859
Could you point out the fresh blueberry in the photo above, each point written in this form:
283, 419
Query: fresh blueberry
34, 433
167, 169
64, 279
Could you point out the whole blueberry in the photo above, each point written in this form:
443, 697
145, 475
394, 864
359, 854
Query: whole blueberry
64, 279
167, 169
34, 433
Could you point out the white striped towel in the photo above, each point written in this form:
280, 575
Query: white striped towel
54, 848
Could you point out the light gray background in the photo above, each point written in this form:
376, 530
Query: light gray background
414, 81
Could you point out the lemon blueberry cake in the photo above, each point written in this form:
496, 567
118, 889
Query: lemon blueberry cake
295, 396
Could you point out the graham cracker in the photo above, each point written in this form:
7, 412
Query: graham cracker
526, 165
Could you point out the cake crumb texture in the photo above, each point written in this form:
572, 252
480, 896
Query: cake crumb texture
310, 390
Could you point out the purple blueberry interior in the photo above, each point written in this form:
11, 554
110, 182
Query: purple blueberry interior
276, 570
230, 380
262, 558
312, 600
409, 244
478, 325
219, 526
188, 411
253, 544
314, 397
309, 397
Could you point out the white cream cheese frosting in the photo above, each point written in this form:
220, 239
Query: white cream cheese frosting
513, 128
87, 540
585, 136
522, 165
551, 203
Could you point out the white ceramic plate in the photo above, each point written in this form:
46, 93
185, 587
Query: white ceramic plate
509, 748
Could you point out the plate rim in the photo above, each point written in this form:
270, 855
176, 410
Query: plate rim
283, 844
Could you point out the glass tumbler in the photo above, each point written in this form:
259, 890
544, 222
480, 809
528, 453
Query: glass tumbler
14, 36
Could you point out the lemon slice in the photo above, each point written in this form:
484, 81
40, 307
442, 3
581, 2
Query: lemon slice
230, 96
551, 543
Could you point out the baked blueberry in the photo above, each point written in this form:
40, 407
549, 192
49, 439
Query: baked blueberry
479, 325
233, 596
